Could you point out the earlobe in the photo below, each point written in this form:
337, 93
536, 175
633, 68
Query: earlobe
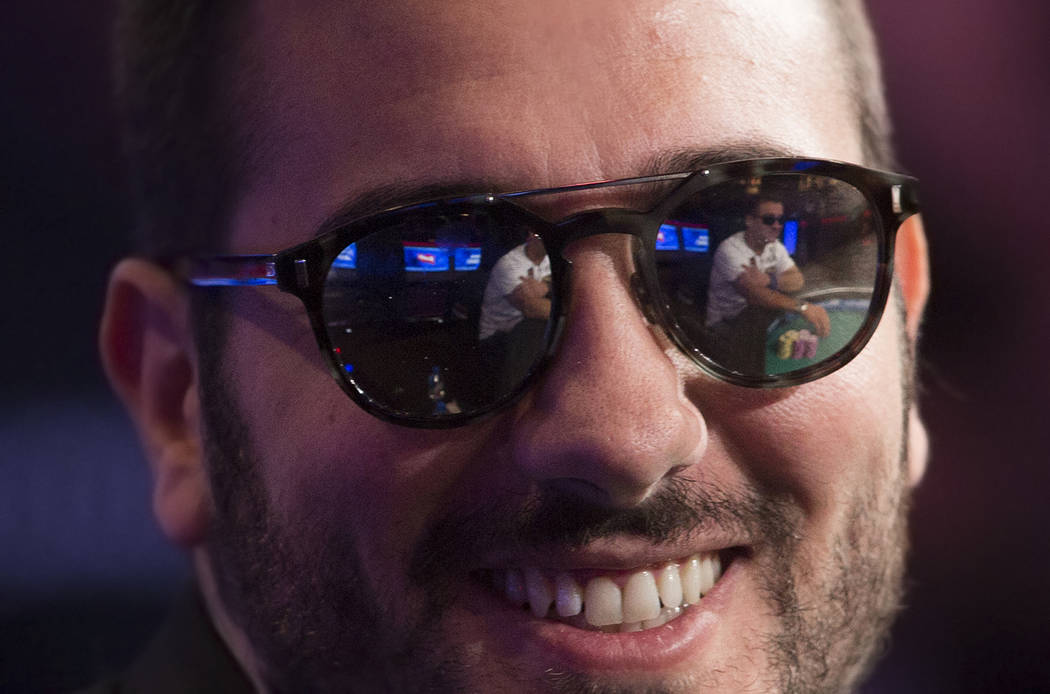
912, 267
147, 351
918, 447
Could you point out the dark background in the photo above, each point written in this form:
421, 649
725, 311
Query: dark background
85, 575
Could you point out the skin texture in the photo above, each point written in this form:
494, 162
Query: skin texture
262, 464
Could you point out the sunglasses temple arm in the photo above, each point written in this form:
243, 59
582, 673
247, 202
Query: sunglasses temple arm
229, 271
904, 198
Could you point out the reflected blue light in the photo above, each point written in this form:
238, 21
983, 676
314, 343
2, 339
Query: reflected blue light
791, 235
696, 239
231, 281
667, 238
347, 258
467, 258
423, 258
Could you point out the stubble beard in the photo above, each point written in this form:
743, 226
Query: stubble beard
317, 624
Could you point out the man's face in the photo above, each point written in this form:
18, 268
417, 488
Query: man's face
759, 234
355, 553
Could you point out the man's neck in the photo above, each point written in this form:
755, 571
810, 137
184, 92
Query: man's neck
756, 246
536, 255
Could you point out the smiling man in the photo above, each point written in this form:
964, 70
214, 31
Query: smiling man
753, 279
371, 501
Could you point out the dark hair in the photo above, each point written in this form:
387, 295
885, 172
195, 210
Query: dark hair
858, 49
174, 66
761, 197
182, 73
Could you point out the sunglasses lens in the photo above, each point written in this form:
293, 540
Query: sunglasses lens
729, 285
439, 312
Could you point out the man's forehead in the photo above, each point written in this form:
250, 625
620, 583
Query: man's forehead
526, 95
476, 39
411, 46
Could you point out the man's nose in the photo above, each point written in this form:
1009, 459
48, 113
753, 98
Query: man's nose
609, 421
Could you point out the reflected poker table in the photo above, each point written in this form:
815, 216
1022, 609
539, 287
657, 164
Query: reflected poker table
846, 311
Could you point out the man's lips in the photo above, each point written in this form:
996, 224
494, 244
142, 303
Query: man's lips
612, 601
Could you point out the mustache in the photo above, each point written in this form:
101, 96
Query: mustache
553, 517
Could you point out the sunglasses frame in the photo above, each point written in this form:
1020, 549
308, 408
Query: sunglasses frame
302, 269
773, 219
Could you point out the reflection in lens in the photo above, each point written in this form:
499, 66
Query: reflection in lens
425, 314
737, 261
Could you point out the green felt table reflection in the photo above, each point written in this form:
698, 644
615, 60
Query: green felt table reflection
846, 315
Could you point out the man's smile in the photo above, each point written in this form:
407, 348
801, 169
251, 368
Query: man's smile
614, 602
585, 611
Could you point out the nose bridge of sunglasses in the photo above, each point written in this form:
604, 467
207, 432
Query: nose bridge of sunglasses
623, 231
591, 223
613, 233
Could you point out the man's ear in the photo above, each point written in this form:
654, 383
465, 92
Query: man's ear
912, 267
147, 350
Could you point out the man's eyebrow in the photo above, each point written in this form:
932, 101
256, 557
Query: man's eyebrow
692, 159
393, 195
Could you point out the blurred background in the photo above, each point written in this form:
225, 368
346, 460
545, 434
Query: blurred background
85, 576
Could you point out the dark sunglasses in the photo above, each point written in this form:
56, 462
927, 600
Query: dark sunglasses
771, 219
433, 314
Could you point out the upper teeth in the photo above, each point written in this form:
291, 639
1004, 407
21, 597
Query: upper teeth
644, 599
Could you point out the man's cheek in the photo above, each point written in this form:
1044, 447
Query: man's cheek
841, 432
332, 470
